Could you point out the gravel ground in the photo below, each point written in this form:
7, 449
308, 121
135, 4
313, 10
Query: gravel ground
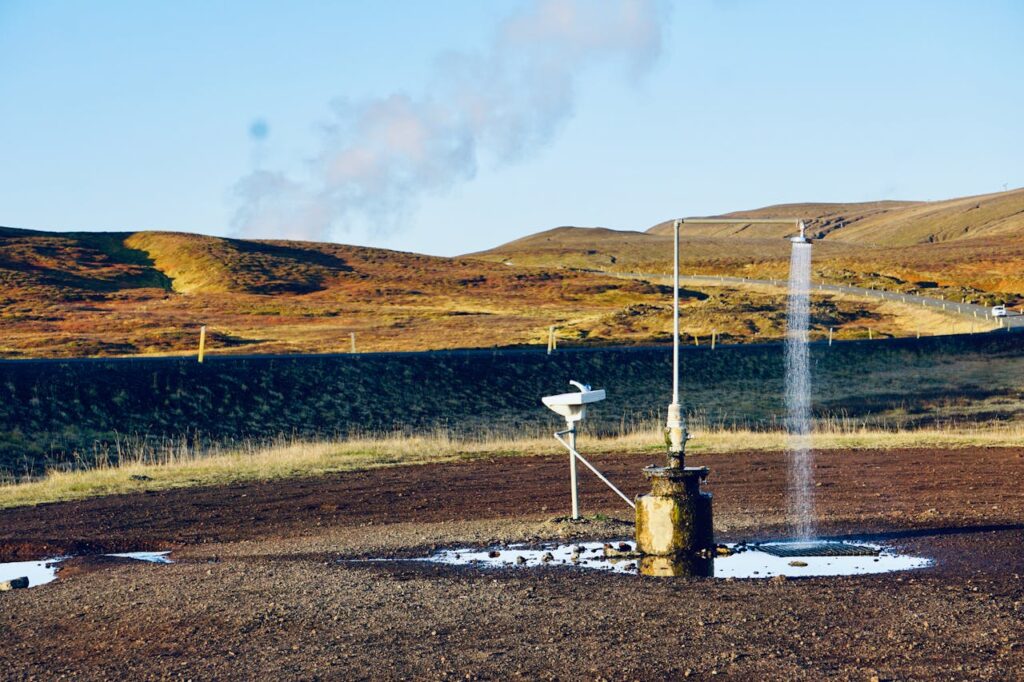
264, 585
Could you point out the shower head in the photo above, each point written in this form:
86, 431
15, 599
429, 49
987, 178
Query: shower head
802, 238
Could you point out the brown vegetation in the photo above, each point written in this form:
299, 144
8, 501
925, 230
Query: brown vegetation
101, 294
972, 247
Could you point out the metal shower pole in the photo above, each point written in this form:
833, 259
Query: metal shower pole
674, 422
675, 318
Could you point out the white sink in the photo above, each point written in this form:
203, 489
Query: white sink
573, 406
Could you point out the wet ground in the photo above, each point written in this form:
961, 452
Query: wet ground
802, 559
263, 583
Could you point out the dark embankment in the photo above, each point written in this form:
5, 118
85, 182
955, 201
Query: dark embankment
59, 413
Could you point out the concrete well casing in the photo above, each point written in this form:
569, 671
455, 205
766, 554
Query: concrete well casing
674, 521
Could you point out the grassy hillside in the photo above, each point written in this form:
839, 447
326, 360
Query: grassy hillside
988, 217
880, 223
969, 248
196, 263
625, 251
85, 294
74, 264
819, 217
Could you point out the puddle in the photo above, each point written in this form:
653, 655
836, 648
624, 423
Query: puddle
747, 561
37, 572
150, 557
42, 572
754, 563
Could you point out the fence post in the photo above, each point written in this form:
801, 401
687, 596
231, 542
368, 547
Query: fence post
871, 334
202, 343
352, 336
830, 336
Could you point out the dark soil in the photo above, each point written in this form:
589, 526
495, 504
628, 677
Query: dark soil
262, 587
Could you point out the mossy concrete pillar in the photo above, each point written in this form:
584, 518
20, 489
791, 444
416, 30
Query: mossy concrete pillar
674, 528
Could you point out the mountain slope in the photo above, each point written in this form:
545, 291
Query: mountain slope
881, 223
989, 216
82, 294
969, 247
819, 218
79, 294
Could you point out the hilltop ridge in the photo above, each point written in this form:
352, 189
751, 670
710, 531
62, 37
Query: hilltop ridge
969, 244
129, 293
881, 223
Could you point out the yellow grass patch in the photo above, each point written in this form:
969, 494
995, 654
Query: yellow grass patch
184, 466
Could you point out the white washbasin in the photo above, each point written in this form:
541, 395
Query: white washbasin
573, 406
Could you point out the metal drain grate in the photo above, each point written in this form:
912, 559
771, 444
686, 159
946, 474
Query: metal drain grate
803, 549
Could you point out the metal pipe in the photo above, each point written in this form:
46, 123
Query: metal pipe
675, 316
743, 221
572, 451
674, 418
572, 473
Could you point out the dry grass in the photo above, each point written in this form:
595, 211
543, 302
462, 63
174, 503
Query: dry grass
753, 311
967, 247
139, 467
147, 293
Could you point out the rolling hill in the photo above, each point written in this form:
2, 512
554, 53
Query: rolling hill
88, 294
883, 223
971, 246
136, 293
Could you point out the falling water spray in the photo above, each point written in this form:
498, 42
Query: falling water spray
798, 390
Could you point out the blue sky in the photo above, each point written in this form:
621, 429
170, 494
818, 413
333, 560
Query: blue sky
147, 115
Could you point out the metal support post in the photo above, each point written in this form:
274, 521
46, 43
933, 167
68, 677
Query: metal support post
674, 422
572, 474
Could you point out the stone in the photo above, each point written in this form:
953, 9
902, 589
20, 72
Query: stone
13, 584
618, 553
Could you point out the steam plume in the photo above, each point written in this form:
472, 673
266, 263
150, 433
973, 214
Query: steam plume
379, 156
